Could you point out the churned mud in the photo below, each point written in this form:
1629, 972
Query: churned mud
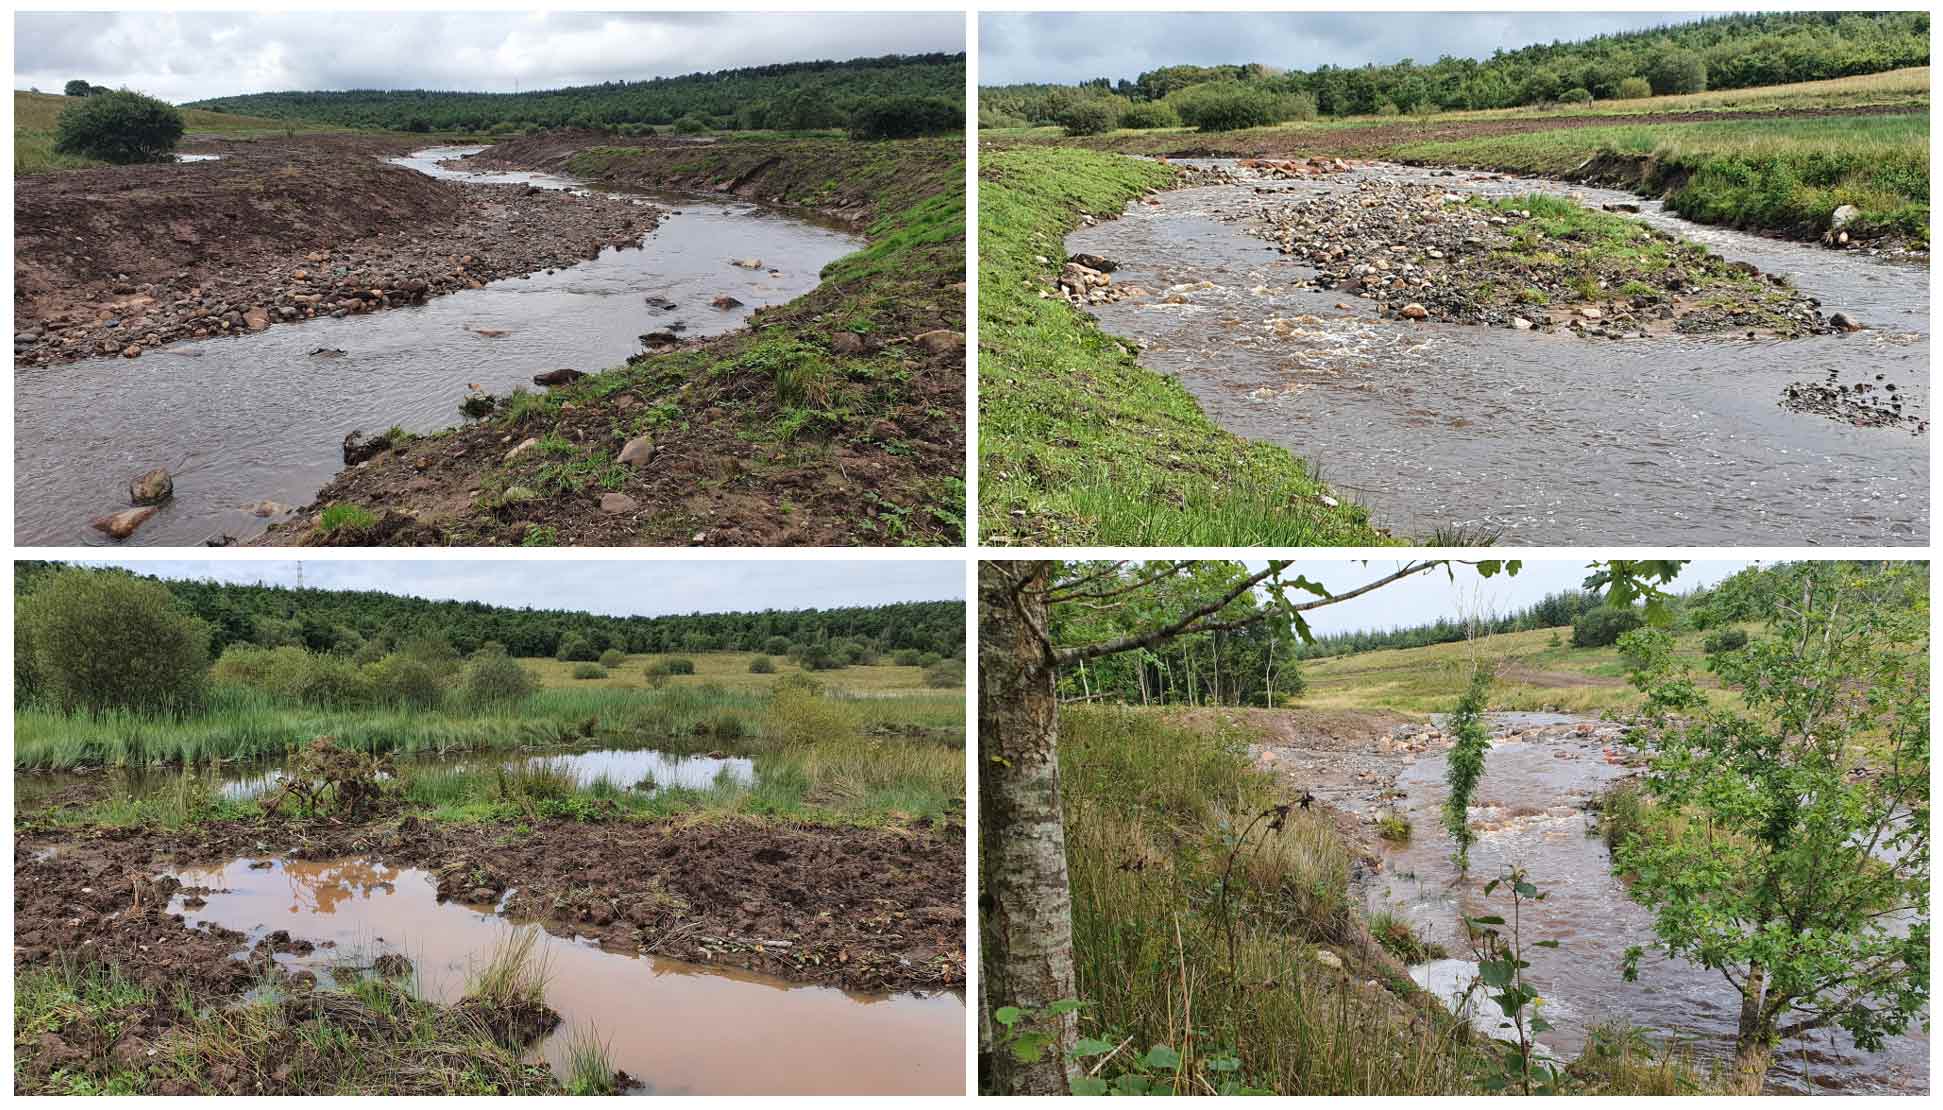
124, 260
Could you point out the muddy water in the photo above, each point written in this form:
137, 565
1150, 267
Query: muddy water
1540, 438
1530, 808
244, 420
678, 1028
626, 768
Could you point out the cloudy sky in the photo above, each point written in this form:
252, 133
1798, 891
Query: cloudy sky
1068, 47
180, 56
1425, 597
616, 587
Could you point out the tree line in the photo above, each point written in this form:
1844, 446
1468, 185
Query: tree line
343, 621
885, 97
1722, 52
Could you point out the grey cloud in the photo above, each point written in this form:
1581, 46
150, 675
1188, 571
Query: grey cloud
1065, 47
181, 56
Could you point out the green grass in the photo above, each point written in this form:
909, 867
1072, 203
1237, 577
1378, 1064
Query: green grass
1079, 444
1786, 175
347, 516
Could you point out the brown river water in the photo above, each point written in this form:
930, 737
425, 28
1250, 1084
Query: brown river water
1541, 439
244, 420
1530, 806
677, 1028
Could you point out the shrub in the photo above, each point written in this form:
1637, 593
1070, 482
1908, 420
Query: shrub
1087, 116
1574, 96
120, 127
1225, 106
400, 679
762, 664
1640, 647
822, 657
1635, 88
495, 678
612, 658
906, 117
678, 665
1603, 626
690, 125
106, 640
909, 657
1388, 108
656, 675
292, 674
945, 673
1724, 640
1677, 71
77, 88
928, 658
576, 648
1297, 106
777, 645
589, 670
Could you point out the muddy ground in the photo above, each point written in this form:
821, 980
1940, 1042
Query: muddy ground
875, 465
126, 259
861, 909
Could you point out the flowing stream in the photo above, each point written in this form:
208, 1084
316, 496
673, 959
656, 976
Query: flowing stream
1541, 773
240, 421
1539, 438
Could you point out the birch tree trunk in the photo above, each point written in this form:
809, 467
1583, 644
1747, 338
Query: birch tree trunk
1025, 918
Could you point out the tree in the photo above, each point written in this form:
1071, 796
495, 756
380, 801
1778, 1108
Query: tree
493, 678
77, 88
907, 117
1787, 844
575, 648
1674, 71
1025, 903
106, 640
1088, 116
120, 127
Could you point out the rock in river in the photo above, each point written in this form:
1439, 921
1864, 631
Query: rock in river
562, 376
726, 302
122, 525
357, 448
151, 488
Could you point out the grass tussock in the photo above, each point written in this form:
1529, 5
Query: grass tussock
1081, 445
1151, 813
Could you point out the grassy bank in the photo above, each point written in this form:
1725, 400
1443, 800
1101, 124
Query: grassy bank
834, 419
1772, 175
84, 1027
1078, 443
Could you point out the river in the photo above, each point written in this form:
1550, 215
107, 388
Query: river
240, 421
1535, 438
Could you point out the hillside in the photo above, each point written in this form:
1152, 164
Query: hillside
794, 96
36, 115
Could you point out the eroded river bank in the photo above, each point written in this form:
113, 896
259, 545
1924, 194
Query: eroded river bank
1622, 429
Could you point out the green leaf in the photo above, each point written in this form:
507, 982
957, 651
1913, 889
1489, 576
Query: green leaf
1089, 1085
1162, 1057
1007, 1016
1065, 1006
1089, 1046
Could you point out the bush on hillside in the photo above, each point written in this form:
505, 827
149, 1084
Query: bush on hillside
1149, 114
493, 678
405, 680
690, 125
1574, 96
575, 648
1225, 106
1603, 626
1677, 71
945, 674
762, 664
1635, 88
589, 670
1724, 640
120, 127
906, 117
102, 640
612, 658
1087, 116
678, 665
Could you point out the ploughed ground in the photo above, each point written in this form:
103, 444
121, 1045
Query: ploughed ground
127, 259
861, 909
837, 418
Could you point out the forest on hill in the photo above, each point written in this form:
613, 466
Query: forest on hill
796, 96
341, 621
1720, 52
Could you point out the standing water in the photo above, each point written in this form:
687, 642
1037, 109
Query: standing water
1529, 811
1538, 438
240, 421
675, 1027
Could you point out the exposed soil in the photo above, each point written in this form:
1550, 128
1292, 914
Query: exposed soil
862, 909
126, 259
877, 463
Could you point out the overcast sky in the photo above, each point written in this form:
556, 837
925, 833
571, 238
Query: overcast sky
1425, 597
180, 56
616, 587
1068, 47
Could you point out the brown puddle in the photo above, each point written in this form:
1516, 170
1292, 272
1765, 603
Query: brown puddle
676, 1027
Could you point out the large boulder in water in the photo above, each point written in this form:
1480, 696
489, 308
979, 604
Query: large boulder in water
151, 488
122, 525
357, 448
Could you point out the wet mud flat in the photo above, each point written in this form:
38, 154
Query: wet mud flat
1656, 416
124, 261
674, 942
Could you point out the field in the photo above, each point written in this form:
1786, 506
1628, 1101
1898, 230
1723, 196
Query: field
1540, 670
36, 115
1080, 445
